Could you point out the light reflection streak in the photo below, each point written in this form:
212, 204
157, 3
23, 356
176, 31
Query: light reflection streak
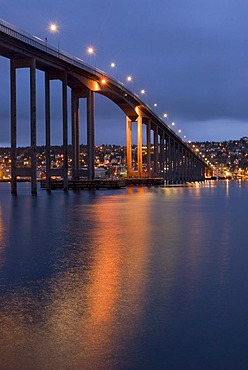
1, 238
88, 310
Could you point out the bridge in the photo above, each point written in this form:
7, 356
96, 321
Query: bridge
173, 159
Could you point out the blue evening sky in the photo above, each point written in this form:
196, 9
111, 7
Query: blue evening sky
190, 56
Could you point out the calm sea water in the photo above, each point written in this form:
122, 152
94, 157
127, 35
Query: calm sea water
141, 278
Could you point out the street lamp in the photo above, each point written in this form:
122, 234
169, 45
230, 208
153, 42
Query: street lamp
53, 28
91, 51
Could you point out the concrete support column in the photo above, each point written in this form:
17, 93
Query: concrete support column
148, 143
170, 159
194, 169
129, 146
48, 131
183, 172
91, 135
33, 127
176, 161
166, 153
75, 135
13, 126
156, 151
191, 167
186, 166
162, 155
180, 157
65, 131
139, 144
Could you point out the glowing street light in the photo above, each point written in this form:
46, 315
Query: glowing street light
179, 131
173, 124
155, 104
53, 27
143, 91
90, 50
129, 78
112, 65
165, 115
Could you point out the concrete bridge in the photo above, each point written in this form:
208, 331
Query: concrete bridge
173, 159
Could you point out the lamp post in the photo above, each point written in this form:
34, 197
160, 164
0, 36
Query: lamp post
53, 28
91, 51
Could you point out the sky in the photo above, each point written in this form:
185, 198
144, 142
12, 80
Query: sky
190, 57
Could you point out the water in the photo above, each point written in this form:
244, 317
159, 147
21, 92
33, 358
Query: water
122, 280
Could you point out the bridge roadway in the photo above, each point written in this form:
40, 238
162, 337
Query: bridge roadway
172, 158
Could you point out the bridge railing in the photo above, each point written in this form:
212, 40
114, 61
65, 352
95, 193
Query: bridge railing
41, 44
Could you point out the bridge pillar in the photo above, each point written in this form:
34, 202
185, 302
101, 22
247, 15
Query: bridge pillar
170, 159
148, 144
91, 135
31, 171
180, 162
156, 151
33, 126
75, 135
139, 144
162, 154
129, 146
13, 126
167, 158
48, 132
175, 162
191, 167
65, 131
194, 169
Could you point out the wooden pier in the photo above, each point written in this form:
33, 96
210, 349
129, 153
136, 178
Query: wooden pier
96, 184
